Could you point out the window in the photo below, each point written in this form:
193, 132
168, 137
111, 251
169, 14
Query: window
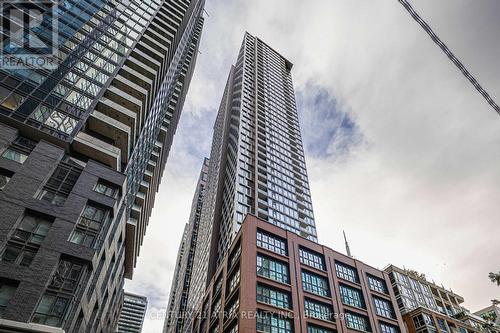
24, 243
234, 281
51, 310
388, 328
61, 291
346, 272
7, 290
418, 321
60, 183
312, 259
15, 155
357, 322
315, 284
383, 307
377, 284
5, 177
66, 277
269, 323
216, 306
442, 325
218, 286
106, 188
55, 119
89, 225
272, 269
232, 310
234, 256
351, 296
233, 329
318, 310
19, 150
317, 329
273, 297
271, 242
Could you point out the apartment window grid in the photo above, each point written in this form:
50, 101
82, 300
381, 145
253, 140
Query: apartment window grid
273, 297
24, 243
235, 255
269, 323
311, 258
377, 284
55, 303
137, 164
216, 307
357, 322
89, 226
422, 320
346, 272
272, 243
234, 281
318, 310
383, 308
93, 70
232, 309
317, 329
272, 269
60, 183
315, 284
388, 328
351, 296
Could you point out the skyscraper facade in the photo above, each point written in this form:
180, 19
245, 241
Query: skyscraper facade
132, 313
256, 161
178, 306
83, 146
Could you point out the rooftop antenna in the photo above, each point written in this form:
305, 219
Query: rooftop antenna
348, 250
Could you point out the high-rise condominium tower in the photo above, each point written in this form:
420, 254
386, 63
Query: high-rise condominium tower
132, 313
178, 305
256, 161
82, 149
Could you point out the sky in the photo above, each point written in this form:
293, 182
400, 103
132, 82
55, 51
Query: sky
402, 153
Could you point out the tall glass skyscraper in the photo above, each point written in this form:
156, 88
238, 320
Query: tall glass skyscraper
178, 306
256, 162
83, 145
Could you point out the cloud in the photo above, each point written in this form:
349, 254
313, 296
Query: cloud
417, 184
326, 130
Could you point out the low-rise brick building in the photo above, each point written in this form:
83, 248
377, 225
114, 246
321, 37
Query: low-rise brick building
273, 280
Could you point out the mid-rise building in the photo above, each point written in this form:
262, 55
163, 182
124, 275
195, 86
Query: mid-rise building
82, 150
257, 161
490, 313
429, 308
132, 313
178, 306
273, 280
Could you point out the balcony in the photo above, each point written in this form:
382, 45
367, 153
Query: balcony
119, 133
97, 150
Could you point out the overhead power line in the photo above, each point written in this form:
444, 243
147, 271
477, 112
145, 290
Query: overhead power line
450, 55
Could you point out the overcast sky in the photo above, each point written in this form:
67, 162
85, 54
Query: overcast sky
402, 153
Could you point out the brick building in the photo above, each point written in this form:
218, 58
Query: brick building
273, 280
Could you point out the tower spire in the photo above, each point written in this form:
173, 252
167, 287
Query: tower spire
348, 250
